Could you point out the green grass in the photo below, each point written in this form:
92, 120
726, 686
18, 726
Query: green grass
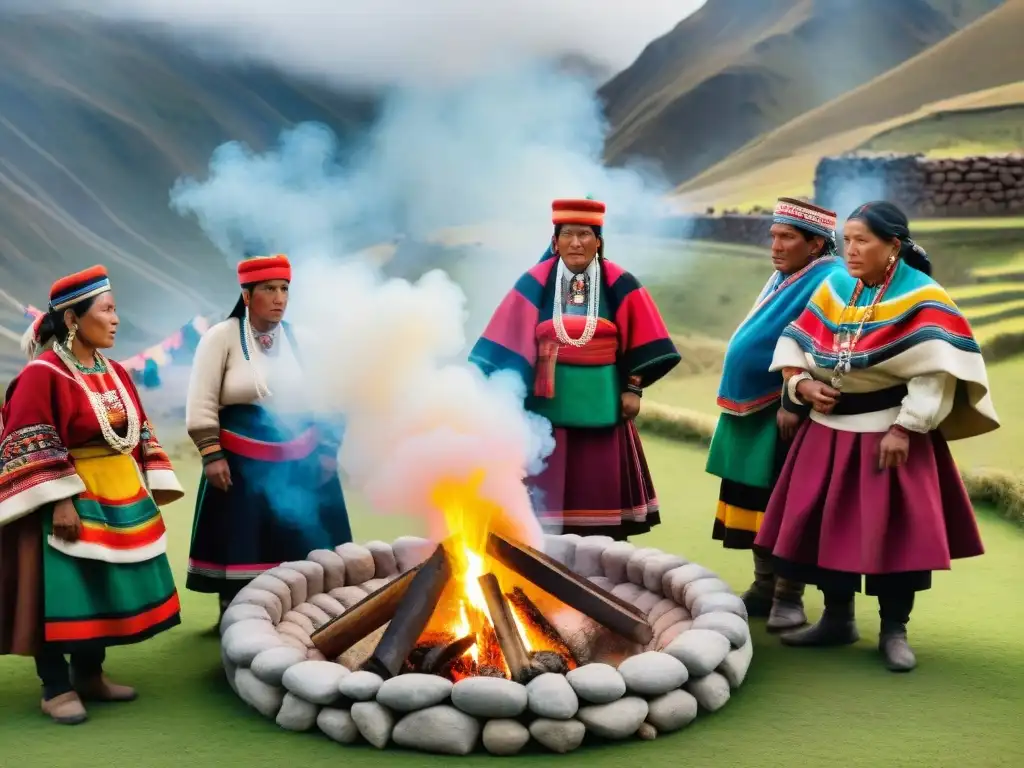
986, 314
956, 134
966, 293
1000, 449
989, 333
960, 707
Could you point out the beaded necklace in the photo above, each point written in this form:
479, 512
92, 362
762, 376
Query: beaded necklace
594, 300
842, 343
248, 338
120, 444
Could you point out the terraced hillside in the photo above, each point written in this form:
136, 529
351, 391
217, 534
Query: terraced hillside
979, 67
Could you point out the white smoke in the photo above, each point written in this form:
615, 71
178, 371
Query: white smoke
382, 42
487, 153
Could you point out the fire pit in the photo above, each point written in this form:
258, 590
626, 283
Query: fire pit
440, 647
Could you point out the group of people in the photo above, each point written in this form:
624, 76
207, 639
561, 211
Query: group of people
838, 393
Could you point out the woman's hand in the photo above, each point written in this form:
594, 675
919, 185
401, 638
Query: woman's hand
67, 525
894, 448
630, 405
788, 423
218, 474
819, 395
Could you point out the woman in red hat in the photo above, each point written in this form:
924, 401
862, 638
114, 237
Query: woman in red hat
82, 542
270, 490
587, 339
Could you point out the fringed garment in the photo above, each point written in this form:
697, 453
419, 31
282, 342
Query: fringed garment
834, 516
746, 451
113, 585
597, 480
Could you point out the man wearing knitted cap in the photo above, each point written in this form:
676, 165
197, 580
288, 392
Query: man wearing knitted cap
587, 339
757, 421
270, 490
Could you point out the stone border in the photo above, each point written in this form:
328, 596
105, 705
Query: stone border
700, 654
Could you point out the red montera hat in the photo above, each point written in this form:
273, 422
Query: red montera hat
260, 269
72, 289
578, 212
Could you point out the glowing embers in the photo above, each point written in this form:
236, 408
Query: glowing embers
474, 607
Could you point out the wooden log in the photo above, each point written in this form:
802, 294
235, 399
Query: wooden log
511, 642
411, 616
369, 614
573, 590
529, 610
437, 659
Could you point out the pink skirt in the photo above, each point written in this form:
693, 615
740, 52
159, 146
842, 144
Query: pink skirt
596, 482
833, 510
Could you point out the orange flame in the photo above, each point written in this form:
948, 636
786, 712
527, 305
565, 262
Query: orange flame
462, 610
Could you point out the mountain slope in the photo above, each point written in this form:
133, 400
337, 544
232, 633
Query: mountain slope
735, 70
983, 57
96, 123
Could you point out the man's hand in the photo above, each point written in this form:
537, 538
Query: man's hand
788, 423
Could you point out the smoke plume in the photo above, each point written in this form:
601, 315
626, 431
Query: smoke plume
386, 42
478, 159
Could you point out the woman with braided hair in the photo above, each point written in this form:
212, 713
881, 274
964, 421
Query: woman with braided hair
869, 490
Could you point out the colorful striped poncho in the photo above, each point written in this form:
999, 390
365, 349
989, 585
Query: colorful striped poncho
916, 330
510, 340
747, 384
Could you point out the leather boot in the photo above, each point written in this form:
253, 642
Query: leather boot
758, 598
788, 607
894, 609
65, 709
835, 627
895, 650
100, 688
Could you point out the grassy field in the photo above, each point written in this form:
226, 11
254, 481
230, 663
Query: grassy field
956, 134
998, 449
797, 707
705, 289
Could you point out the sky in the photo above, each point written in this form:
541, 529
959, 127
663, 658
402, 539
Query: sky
402, 41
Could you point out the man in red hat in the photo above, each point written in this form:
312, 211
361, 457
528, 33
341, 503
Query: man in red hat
587, 340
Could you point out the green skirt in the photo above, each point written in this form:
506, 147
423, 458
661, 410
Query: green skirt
747, 454
113, 586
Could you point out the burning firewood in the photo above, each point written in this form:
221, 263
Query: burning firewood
529, 611
511, 642
440, 657
369, 614
411, 615
573, 590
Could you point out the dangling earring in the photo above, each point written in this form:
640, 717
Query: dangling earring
71, 336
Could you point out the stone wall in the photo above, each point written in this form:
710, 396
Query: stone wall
924, 187
738, 229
